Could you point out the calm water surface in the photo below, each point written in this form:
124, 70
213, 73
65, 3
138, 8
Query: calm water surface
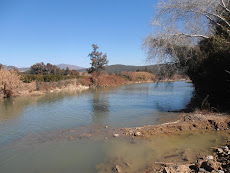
24, 119
125, 106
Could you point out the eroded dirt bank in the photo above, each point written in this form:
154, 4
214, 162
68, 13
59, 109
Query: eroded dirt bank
218, 162
187, 122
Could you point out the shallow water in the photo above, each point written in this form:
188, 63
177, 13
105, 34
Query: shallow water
125, 106
100, 155
33, 136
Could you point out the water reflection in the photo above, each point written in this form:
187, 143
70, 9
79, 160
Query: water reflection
125, 106
14, 107
100, 105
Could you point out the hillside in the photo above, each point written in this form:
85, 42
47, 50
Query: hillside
19, 69
118, 68
61, 66
71, 67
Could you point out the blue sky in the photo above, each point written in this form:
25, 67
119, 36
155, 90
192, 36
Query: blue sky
62, 31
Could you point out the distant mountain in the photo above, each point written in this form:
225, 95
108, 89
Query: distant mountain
118, 68
19, 69
71, 67
61, 66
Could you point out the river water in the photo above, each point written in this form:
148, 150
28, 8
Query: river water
22, 119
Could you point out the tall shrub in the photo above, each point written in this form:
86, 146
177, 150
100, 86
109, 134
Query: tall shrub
9, 82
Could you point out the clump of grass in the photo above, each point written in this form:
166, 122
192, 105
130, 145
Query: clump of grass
139, 76
100, 79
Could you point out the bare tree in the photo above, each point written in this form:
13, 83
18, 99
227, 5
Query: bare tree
183, 23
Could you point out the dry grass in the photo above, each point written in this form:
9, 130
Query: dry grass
86, 81
10, 83
179, 77
46, 86
107, 79
104, 79
139, 76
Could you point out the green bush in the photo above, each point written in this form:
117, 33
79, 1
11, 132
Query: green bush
28, 78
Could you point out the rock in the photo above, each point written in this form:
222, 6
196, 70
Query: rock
167, 170
209, 157
220, 171
210, 165
85, 136
106, 127
219, 150
225, 149
116, 168
183, 169
194, 168
71, 138
202, 170
116, 135
137, 134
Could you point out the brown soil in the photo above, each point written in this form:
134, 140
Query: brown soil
188, 122
198, 121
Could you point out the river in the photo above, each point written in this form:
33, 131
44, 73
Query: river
25, 123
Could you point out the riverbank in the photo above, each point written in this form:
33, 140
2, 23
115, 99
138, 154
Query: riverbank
219, 161
188, 122
180, 146
70, 87
13, 84
43, 88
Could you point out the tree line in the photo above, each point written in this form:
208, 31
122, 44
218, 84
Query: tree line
194, 35
42, 72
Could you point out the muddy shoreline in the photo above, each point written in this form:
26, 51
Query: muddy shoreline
197, 121
174, 161
219, 161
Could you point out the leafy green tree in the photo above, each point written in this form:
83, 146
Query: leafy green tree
45, 69
98, 60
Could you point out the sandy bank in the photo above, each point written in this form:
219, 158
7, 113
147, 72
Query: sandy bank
51, 90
